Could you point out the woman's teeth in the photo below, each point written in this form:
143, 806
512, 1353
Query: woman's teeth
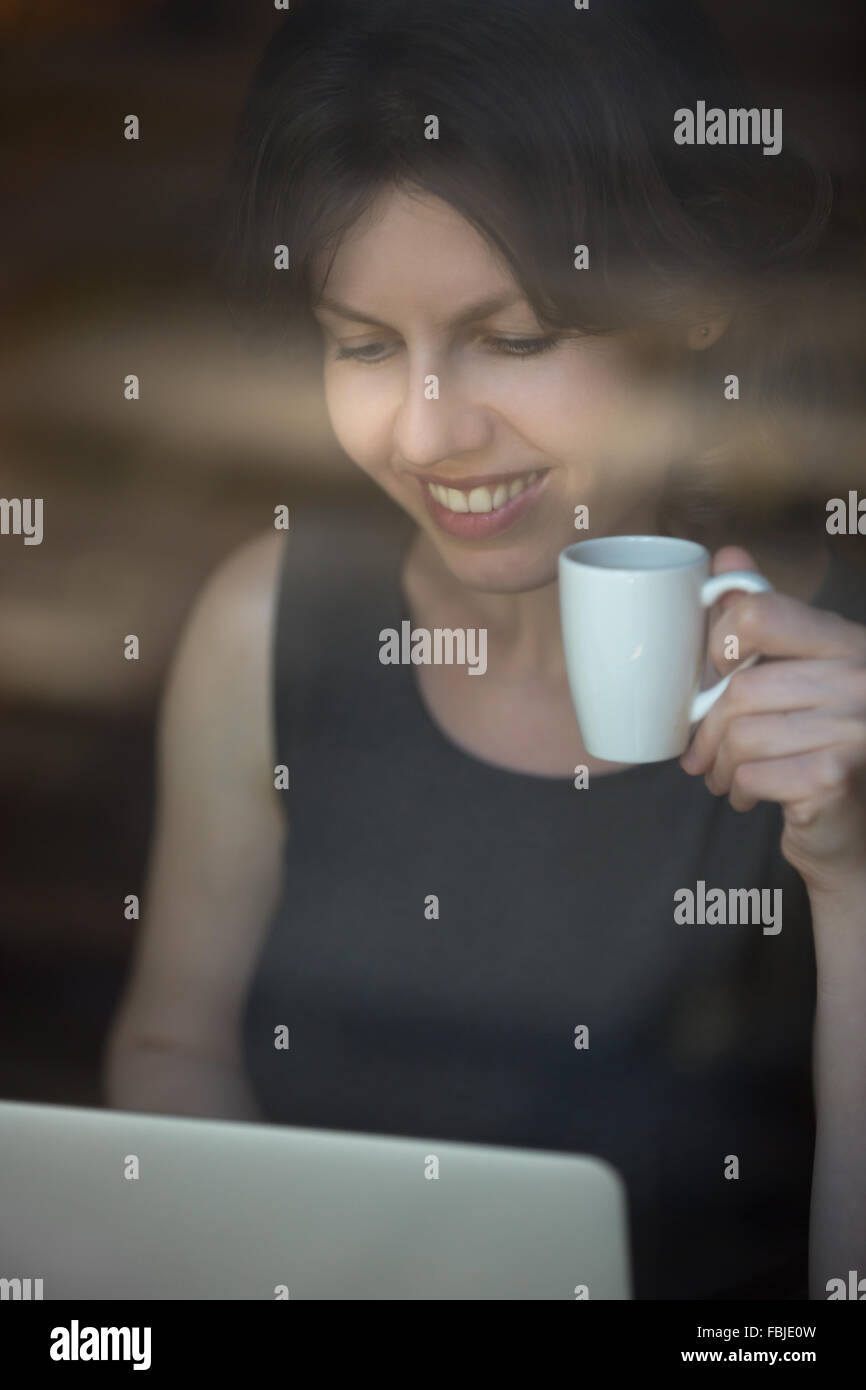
480, 499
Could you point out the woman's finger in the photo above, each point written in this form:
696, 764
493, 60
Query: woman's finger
778, 687
806, 778
780, 626
759, 737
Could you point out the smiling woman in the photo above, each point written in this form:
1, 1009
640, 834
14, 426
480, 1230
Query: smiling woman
651, 240
437, 906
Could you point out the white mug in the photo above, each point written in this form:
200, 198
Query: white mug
634, 628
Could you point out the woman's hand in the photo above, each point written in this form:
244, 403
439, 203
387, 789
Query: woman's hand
791, 729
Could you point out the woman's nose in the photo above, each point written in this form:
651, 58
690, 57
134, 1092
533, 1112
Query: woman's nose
438, 419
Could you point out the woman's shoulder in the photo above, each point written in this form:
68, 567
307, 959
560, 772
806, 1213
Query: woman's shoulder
243, 586
216, 693
328, 561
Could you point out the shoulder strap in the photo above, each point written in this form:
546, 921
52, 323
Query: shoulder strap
338, 585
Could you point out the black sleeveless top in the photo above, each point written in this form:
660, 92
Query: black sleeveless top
556, 910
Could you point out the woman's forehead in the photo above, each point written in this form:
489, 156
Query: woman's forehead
417, 245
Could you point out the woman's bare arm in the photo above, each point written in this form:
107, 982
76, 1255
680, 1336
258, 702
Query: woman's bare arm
215, 863
837, 1238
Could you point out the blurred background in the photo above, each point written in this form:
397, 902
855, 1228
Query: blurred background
106, 269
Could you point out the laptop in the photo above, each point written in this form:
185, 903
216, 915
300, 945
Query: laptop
107, 1204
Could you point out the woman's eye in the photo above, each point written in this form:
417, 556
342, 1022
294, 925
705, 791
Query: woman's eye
524, 347
369, 352
510, 347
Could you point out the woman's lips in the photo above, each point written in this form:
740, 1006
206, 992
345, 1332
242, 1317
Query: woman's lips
480, 525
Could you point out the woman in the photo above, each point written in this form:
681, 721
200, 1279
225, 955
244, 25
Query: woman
531, 300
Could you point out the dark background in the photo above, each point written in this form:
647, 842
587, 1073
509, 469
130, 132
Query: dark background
106, 268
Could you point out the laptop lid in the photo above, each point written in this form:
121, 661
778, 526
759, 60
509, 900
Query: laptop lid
105, 1204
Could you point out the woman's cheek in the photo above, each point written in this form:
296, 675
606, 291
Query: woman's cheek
560, 403
357, 417
603, 410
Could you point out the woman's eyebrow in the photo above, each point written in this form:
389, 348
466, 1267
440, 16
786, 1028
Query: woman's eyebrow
479, 310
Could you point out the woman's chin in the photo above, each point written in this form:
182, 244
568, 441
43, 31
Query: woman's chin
518, 571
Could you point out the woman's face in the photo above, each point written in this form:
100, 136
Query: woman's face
444, 387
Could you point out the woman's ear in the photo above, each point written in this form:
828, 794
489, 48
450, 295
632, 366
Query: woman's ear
702, 335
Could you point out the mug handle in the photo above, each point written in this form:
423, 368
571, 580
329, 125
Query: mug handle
711, 590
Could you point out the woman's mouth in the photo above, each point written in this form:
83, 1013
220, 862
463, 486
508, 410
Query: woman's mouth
478, 511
